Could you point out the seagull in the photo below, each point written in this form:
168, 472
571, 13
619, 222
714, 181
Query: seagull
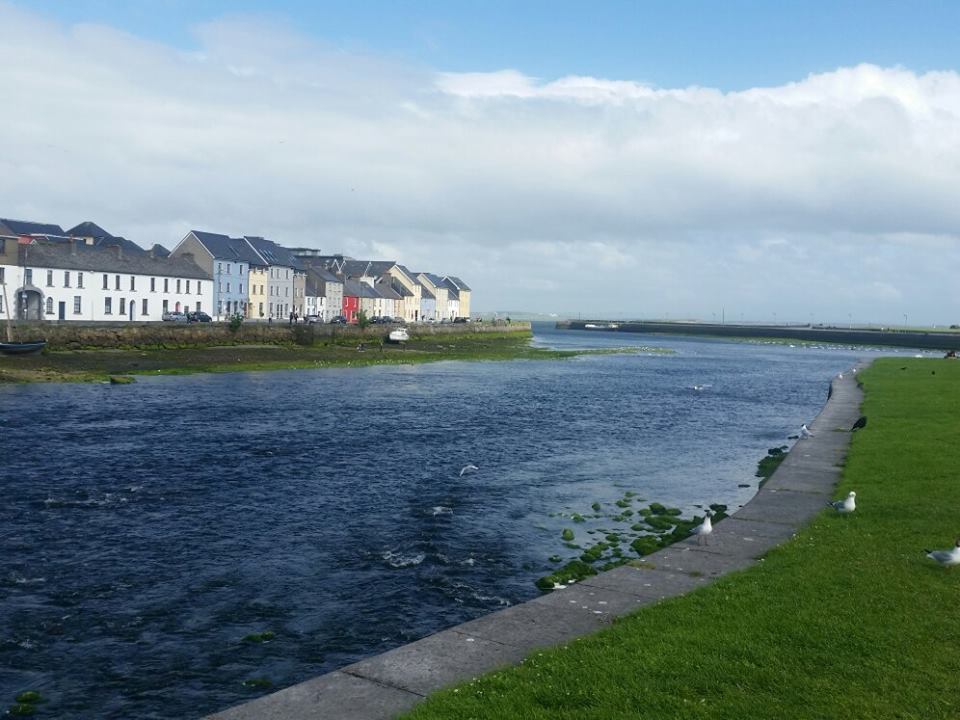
468, 469
840, 376
703, 531
947, 558
805, 431
845, 506
860, 423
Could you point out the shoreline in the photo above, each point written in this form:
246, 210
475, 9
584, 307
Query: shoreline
394, 682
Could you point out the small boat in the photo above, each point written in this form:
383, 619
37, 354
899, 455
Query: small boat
22, 348
400, 335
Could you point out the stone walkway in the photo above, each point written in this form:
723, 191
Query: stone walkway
386, 685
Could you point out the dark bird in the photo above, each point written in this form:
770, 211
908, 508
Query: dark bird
860, 423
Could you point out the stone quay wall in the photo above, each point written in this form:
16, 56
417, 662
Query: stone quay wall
121, 335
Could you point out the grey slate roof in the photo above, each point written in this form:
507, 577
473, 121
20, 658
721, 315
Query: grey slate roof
452, 292
88, 229
425, 293
274, 254
27, 227
386, 291
461, 285
224, 247
352, 288
159, 250
79, 256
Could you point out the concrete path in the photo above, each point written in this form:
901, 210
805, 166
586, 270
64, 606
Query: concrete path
386, 685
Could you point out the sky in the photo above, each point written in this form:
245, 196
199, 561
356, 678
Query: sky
749, 160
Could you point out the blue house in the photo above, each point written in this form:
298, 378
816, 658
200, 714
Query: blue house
228, 260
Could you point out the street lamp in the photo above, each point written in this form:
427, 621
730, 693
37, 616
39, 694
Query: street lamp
904, 321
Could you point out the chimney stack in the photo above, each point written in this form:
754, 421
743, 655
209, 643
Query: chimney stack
119, 249
73, 246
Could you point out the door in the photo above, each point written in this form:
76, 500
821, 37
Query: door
62, 311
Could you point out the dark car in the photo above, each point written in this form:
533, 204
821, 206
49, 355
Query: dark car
174, 317
461, 319
339, 320
198, 316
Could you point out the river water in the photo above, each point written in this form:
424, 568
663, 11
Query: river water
147, 529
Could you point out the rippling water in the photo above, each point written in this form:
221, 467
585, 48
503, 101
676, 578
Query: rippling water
147, 529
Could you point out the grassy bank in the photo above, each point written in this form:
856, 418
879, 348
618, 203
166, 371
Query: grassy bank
99, 365
847, 620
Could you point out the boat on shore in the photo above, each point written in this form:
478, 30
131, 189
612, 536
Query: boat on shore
601, 326
22, 348
400, 335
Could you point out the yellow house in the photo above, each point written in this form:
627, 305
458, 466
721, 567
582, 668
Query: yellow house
257, 292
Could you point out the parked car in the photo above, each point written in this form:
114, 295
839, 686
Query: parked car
313, 319
339, 320
174, 317
461, 320
198, 316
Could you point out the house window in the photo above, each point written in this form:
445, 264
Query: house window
166, 284
28, 276
1, 301
143, 310
105, 282
49, 306
76, 304
80, 280
133, 283
286, 274
219, 268
198, 287
2, 281
66, 278
188, 286
219, 285
271, 308
229, 268
153, 284
286, 292
240, 288
261, 309
107, 305
116, 282
219, 307
49, 278
166, 306
178, 284
198, 306
228, 287
123, 306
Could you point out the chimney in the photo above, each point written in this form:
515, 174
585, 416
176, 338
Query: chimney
153, 253
119, 250
73, 246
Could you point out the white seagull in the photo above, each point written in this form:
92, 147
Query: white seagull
703, 531
947, 558
468, 469
845, 506
805, 432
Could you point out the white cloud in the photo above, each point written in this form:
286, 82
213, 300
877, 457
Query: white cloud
831, 195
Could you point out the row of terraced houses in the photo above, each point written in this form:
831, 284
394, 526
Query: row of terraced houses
87, 274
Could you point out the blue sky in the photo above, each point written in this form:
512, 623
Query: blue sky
729, 44
796, 160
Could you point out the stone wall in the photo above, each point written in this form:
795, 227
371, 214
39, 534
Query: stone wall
73, 336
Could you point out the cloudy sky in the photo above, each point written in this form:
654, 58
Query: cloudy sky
802, 164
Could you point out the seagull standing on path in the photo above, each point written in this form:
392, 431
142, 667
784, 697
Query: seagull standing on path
947, 558
845, 506
703, 531
805, 431
468, 469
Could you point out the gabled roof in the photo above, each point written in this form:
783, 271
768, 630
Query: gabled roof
77, 255
452, 292
274, 254
461, 285
27, 227
317, 280
88, 229
386, 291
159, 250
223, 247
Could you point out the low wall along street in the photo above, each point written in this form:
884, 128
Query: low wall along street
76, 336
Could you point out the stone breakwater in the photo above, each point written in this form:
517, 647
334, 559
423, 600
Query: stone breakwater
77, 336
844, 336
386, 685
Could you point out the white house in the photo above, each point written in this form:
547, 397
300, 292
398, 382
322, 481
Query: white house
65, 279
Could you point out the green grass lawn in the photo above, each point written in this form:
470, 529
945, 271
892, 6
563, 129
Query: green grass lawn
847, 620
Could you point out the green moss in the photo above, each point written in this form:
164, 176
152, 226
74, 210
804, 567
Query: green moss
613, 538
30, 696
574, 570
658, 522
567, 534
263, 637
555, 558
258, 683
646, 545
597, 507
623, 503
22, 709
657, 509
577, 518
